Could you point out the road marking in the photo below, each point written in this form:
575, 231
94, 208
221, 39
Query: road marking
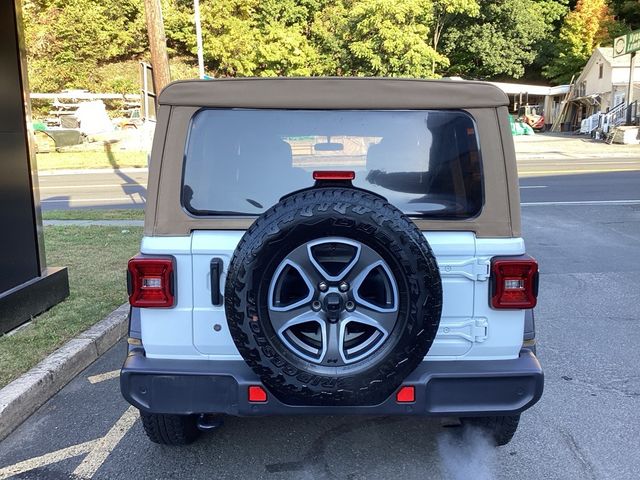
93, 379
97, 451
89, 171
583, 202
105, 445
566, 162
48, 459
555, 172
74, 200
67, 187
533, 186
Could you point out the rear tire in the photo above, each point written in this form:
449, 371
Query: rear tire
499, 429
170, 429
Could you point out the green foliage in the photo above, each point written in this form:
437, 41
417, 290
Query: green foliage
249, 37
588, 25
446, 11
503, 39
68, 39
96, 45
391, 38
628, 13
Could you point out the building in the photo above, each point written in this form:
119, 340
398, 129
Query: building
602, 85
548, 99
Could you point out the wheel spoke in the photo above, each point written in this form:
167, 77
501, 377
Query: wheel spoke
300, 257
283, 319
333, 341
383, 321
317, 263
362, 267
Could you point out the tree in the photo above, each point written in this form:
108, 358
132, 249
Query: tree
390, 38
445, 12
68, 40
627, 12
585, 27
252, 37
502, 40
96, 45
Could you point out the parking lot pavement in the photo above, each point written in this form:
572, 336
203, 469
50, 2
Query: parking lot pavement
585, 427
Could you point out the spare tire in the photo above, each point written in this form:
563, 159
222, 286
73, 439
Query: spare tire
333, 297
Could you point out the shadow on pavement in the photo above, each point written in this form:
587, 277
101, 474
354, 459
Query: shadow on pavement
132, 187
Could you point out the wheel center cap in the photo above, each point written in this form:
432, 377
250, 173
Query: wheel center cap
333, 305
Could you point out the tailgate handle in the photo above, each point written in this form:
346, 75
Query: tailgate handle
216, 271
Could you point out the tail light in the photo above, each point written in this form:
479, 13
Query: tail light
257, 394
151, 282
406, 394
515, 282
333, 175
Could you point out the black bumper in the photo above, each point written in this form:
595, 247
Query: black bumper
448, 388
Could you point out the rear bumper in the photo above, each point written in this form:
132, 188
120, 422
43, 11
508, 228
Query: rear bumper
447, 388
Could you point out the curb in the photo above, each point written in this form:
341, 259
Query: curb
23, 396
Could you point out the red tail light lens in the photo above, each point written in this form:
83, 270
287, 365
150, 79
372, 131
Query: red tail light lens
333, 175
257, 394
150, 282
406, 394
515, 282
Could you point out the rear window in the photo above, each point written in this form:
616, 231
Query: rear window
241, 162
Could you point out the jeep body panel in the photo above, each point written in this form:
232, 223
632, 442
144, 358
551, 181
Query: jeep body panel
469, 328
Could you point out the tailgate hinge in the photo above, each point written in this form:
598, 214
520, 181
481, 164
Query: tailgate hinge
476, 269
481, 269
475, 330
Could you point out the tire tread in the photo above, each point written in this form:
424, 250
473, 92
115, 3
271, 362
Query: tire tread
170, 429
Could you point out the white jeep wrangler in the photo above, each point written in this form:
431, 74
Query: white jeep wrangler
331, 246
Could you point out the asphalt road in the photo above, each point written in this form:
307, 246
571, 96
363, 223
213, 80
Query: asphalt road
585, 427
117, 189
562, 179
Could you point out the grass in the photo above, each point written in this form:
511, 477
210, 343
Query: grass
96, 257
94, 214
91, 159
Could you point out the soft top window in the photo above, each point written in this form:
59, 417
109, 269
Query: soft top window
241, 162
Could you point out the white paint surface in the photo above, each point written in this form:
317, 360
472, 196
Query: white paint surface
469, 328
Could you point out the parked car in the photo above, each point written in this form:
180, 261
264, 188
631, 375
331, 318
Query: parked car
331, 246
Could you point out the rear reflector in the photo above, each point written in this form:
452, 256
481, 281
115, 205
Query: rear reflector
151, 282
515, 282
406, 394
333, 175
257, 394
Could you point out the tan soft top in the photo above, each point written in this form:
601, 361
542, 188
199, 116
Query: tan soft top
332, 93
180, 101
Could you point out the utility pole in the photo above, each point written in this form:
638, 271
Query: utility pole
632, 68
631, 78
157, 44
196, 14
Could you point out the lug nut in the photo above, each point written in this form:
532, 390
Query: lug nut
316, 306
350, 306
322, 286
344, 286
